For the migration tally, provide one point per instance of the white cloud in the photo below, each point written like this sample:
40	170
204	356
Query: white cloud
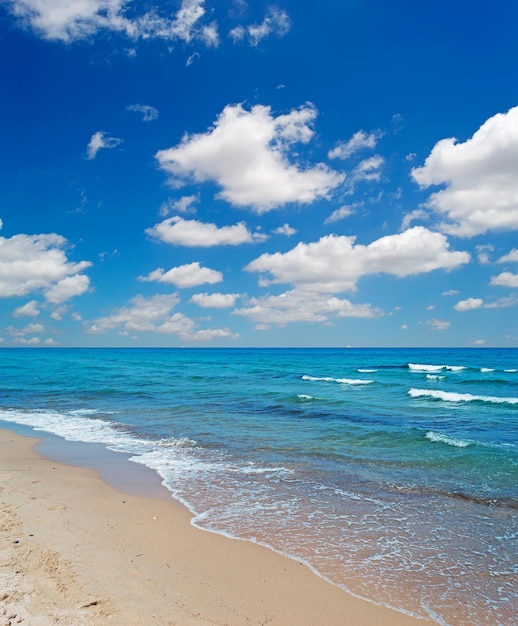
299	305
238	33
32	341
179	205
210	36
67	21
417	214
190	275
451	292
511	257
335	263
58	313
285	229
148	112
359	141
67	288
27	310
438	324
98	141
469	304
32	263
154	314
505	279
143	314
246	154
341	213
483	252
177	231
275	22
29	329
215	300
481	186
191	58
369	169
503	303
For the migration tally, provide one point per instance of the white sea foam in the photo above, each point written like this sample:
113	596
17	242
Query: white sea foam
343	381
366	371
435	377
485	370
513	371
439	438
304	396
421	367
450	396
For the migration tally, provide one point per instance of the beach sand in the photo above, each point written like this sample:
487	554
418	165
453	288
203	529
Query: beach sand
75	550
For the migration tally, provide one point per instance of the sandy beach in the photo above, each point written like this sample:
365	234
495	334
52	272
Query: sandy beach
75	550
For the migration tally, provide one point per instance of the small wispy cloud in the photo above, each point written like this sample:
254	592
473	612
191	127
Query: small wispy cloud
99	141
148	112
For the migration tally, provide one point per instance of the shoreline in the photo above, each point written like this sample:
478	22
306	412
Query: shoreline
77	550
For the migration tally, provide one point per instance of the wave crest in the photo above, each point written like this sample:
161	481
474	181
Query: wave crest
450	396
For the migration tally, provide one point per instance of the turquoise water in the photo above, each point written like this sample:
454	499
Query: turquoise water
392	473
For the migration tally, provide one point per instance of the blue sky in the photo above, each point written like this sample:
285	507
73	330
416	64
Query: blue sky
238	173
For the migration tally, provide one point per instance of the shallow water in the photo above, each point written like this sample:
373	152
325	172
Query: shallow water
393	473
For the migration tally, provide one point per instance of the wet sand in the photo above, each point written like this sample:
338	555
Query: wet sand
75	550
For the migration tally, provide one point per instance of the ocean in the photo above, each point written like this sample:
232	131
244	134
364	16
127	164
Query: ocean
392	473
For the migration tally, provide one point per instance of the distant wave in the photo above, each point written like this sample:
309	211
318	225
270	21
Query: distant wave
420	367
304	396
438	438
485	370
511	371
435	377
450	396
343	381
367	371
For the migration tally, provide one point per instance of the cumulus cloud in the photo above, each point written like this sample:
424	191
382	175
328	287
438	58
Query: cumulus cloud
300	305
505	279
469	304
29	329
36	263
67	21
359	141
368	169
179	205
98	141
177	231
215	300
276	22
155	314
246	153
335	263
183	276
67	288
148	112
481	186
27	310
340	214
510	257
285	229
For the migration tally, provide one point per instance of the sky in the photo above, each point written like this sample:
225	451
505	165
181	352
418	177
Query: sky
238	173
